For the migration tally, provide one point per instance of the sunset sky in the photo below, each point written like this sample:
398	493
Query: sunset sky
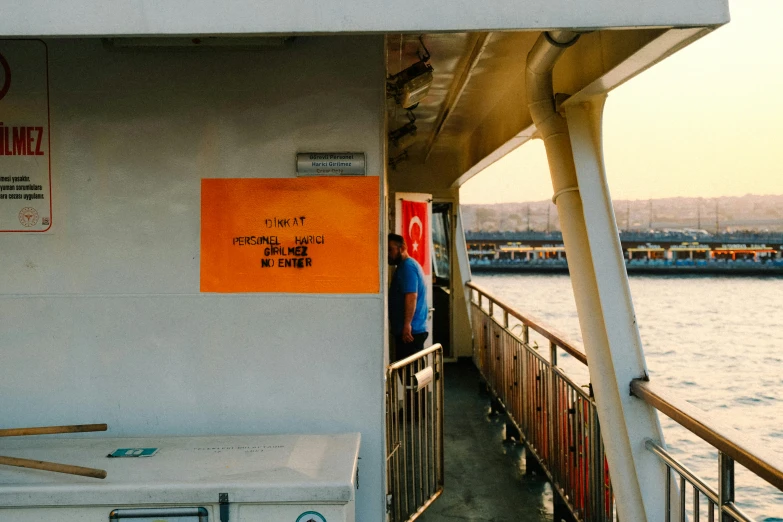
707	122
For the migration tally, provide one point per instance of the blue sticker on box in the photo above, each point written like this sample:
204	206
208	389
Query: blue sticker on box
133	452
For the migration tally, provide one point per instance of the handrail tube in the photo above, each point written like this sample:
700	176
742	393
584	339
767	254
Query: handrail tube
419	512
732	510
418	355
570	347
536	354
687	474
557	370
682	470
727	440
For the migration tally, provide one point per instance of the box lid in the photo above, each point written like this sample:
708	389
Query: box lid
267	469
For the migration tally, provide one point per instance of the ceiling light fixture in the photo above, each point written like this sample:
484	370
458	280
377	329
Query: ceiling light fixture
403	137
409	86
399	158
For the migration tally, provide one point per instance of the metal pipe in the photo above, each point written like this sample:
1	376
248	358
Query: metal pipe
746	450
404	362
681	470
540	100
624	423
528	321
682	499
725	502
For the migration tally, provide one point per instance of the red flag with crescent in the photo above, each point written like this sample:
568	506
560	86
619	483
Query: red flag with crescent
415	230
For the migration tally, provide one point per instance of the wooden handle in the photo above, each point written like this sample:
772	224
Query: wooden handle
49	430
53	466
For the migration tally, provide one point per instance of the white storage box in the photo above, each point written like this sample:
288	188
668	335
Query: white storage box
280	478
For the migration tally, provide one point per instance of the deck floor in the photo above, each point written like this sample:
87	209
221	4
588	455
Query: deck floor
485	477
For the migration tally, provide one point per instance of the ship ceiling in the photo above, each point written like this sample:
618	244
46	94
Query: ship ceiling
475	110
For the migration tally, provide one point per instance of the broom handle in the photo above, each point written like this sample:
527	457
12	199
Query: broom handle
53	466
49	430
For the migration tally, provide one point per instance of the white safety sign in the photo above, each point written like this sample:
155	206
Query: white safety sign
25	167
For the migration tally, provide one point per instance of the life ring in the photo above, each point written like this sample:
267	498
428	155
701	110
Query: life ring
6	75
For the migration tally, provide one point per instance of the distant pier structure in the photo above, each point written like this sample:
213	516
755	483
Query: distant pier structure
654	251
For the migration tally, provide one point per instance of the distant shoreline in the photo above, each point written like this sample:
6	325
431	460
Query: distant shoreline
720	270
716	215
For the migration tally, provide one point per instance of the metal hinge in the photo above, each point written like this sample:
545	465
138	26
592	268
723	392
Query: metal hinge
388	503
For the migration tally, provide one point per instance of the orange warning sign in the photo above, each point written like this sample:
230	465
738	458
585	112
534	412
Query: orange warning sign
297	235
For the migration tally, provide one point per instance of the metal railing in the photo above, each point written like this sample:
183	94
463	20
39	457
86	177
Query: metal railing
558	423
556	417
732	447
414	433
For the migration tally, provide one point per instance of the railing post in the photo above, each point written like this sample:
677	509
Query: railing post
668	494
561	511
726	485
508	347
526	413
439	421
551	416
523	380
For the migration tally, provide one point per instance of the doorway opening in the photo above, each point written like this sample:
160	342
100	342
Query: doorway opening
442	275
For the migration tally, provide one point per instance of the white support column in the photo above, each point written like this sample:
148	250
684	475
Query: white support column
608	322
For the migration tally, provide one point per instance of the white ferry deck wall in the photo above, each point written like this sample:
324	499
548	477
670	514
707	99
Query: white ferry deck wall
103	317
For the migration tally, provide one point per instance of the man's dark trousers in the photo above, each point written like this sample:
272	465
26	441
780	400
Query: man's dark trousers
403	349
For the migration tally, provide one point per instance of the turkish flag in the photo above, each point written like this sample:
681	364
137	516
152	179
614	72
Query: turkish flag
416	231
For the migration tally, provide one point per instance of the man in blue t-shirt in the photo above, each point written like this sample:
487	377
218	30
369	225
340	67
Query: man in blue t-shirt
407	300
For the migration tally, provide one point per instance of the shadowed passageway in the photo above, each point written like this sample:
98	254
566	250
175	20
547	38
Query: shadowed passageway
485	477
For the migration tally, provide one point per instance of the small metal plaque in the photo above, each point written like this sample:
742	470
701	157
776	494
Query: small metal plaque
331	164
133	452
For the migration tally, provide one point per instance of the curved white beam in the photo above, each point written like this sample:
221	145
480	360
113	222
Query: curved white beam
600	284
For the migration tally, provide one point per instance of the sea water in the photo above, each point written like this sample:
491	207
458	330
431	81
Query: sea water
716	342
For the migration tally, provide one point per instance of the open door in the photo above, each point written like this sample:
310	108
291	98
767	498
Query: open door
414	387
413	221
442	296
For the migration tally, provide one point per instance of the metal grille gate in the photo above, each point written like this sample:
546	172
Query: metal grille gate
414	433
